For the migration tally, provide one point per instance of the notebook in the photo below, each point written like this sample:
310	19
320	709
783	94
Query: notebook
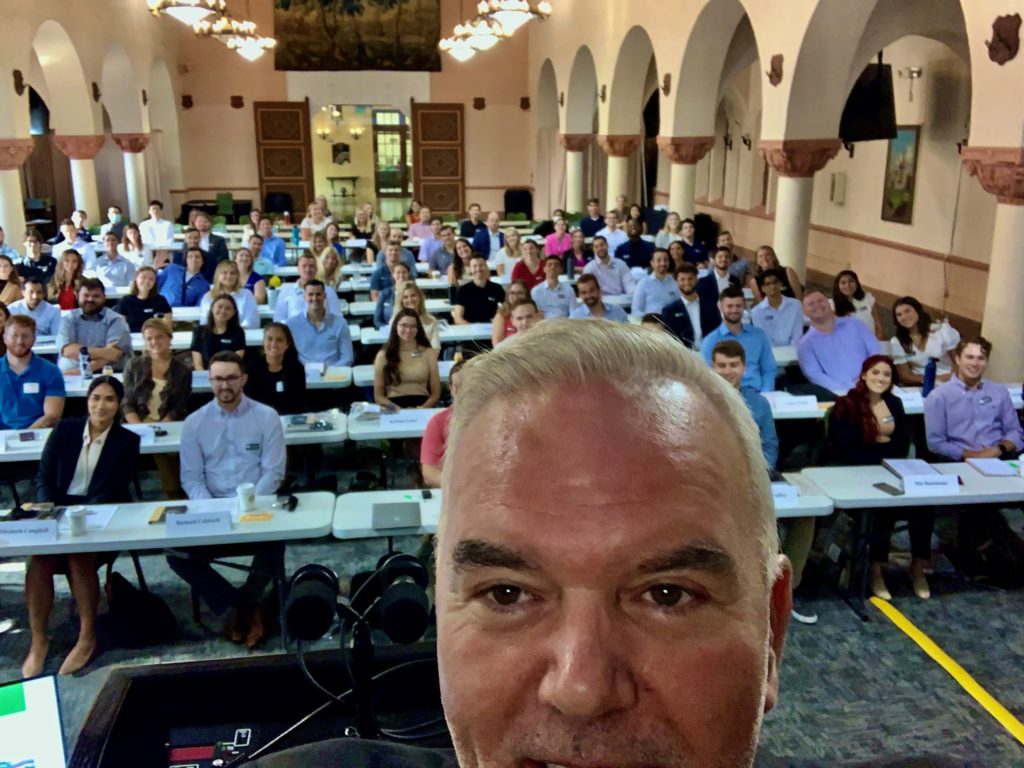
31	730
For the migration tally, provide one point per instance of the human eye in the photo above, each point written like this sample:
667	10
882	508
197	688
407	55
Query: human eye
504	598
670	598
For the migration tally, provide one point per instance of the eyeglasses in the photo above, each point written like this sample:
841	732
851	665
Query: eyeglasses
219	380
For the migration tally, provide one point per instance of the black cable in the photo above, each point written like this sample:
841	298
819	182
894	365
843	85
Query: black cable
305	670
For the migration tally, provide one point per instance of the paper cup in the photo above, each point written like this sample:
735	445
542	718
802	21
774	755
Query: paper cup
246	494
77	517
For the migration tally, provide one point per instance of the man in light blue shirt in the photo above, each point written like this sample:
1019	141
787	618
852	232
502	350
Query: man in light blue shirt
103	331
760	360
320	337
113	269
229	441
729	360
291	297
612	274
443	256
781	317
273	246
834	349
592	304
34	305
656	289
553	298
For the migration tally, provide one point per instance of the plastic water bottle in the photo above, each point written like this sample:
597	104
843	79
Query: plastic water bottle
295	234
287	219
929	376
83	363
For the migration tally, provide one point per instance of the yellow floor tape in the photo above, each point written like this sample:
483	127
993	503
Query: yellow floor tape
958	673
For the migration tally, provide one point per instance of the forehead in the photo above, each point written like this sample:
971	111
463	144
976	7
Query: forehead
224	369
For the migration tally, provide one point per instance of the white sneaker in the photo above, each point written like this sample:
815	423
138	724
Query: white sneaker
804	618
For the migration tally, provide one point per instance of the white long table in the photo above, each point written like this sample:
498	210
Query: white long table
451	334
337	377
47	345
362	375
413	425
366	308
353	512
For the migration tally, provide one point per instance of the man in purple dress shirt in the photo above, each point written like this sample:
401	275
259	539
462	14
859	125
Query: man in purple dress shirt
833	350
969	417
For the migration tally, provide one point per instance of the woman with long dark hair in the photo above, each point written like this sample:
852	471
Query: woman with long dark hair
222	333
919	339
850	298
405	370
868	425
277	378
10	281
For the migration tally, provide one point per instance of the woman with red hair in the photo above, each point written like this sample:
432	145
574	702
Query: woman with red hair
868	425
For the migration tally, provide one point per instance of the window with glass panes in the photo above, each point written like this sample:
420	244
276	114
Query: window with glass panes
392	147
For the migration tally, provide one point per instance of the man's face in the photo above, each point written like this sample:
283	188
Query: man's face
729	368
603	621
255	245
620	202
266	229
633	228
725	240
448	236
771	286
592	209
479	271
307	269
393	255
687	283
611	220
474	212
732	309
435	228
972	362
316	298
578	241
155	211
600	248
552	269
817	308
203	223
110	244
79	218
19	340
91	300
524	317
687	230
227	381
34	295
400	274
424	215
33	245
70	232
659	263
194	262
192	239
590	293
722	260
493	221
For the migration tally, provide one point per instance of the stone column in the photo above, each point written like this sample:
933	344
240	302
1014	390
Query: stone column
13	153
684	152
1001	173
81	151
575	145
796	161
618	149
133	145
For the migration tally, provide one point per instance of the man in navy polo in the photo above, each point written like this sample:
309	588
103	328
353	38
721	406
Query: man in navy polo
31	389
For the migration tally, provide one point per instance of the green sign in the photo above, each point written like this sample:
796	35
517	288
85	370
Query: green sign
12	699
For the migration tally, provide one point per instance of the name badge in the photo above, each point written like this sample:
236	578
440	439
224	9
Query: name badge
279	387
252	446
148	310
332	338
985	400
768	317
31	388
225	341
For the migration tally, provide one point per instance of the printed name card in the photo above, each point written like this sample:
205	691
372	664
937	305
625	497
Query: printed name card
409	417
199	523
21	532
784	493
931	485
790	403
314	371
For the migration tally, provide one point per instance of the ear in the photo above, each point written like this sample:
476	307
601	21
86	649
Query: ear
779	609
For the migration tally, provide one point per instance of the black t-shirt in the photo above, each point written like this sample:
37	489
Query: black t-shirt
208	343
42	270
467	228
479	304
136	311
284	391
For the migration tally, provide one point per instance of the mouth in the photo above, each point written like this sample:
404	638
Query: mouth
530	763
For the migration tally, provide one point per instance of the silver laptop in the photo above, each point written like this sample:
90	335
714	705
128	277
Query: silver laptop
399	514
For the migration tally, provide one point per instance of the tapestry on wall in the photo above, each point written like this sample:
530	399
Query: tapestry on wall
900	175
357	34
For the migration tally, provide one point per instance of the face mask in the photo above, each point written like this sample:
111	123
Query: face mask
114	218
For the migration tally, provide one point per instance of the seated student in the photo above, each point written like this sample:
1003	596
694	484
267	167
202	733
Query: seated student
435	437
866	426
84	461
71	238
229	441
35	263
329	272
382	275
578	255
692	316
214	246
559	241
458	270
919	340
442	257
143	302
851	300
478	300
102	331
760	365
969	417
273	248
530	268
333	235
157	387
112	269
115	223
248	277
525	315
593	222
833	350
635	251
490	240
612	274
710	286
156	230
222	333
474	223
67	279
431	242
6	249
510	254
421	227
291	297
613	234
657	289
553	298
405	372
384	307
182	286
694	251
670	232
35	305
729	360
411	296
131	246
395	237
765	259
738	266
321	337
227	282
501	325
10	281
779	316
592	305
31	388
260	264
277	378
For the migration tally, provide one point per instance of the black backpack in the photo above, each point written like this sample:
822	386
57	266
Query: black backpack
138	619
988	550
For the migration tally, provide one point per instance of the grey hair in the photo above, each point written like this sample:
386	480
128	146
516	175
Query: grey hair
634	361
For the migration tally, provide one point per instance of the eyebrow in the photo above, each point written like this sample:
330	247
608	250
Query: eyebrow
477	553
704	555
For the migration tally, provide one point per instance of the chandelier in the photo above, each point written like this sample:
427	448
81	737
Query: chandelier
189	12
238	35
512	14
457	47
250	46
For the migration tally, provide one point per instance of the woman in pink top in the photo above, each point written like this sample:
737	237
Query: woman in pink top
559	241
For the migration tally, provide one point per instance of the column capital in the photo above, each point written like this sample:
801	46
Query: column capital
618	145
14	153
575	142
1000	170
685	150
798	158
79	147
132	143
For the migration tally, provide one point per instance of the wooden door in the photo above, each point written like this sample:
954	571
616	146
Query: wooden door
439	169
284	152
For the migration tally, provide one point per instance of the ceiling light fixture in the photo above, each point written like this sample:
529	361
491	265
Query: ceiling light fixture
512	14
187	11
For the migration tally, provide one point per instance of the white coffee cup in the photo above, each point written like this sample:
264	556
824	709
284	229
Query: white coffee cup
77	519
246	494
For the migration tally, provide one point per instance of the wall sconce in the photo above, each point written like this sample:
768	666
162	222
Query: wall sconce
324	133
603	93
727	140
356	131
666	84
747	141
912	74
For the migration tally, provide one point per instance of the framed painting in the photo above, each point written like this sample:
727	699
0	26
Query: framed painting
901	175
347	35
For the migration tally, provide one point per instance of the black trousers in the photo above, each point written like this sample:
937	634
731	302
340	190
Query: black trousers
921	521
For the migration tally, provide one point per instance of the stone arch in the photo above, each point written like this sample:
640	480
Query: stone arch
625	98
71	109
121	97
581	94
165	143
549	157
546	106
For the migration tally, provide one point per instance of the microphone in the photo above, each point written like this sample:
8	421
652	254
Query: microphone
312	603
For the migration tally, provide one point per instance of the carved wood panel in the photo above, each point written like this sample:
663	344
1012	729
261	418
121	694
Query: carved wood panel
439	157
284	152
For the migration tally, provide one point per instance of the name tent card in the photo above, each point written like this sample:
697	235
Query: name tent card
785	493
21	532
931	485
199	523
789	403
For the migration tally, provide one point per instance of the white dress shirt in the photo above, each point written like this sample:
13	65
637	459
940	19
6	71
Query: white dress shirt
156	232
87	460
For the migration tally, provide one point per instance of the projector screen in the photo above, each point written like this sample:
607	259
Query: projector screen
30	728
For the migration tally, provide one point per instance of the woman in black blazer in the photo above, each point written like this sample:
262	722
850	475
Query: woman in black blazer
868	425
72	472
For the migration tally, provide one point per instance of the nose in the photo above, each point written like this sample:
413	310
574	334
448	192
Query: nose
588	672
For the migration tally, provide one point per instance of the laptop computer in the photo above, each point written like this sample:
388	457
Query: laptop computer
31	730
400	514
